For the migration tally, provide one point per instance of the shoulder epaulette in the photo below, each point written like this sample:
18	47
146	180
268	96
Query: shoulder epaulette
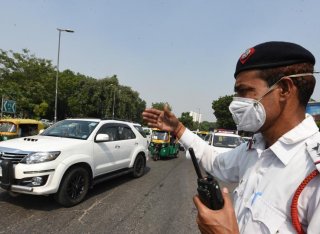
313	148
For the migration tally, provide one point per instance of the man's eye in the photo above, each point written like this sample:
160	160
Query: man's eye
240	92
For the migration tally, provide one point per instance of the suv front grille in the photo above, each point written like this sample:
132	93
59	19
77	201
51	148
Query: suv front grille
15	158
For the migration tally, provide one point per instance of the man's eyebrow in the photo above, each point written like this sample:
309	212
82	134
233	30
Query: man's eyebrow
237	88
242	87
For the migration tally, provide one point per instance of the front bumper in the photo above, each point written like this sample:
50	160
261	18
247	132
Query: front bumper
24	180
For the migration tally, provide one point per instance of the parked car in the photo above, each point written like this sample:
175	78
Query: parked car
13	128
148	132
71	156
223	140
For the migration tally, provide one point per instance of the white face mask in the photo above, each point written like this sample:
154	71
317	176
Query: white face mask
249	114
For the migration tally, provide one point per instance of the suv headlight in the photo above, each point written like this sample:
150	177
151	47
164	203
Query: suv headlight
39	157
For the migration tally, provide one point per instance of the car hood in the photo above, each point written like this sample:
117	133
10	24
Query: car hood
41	143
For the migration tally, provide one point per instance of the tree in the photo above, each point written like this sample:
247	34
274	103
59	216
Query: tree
40	110
207	126
187	120
30	81
160	105
26	79
222	113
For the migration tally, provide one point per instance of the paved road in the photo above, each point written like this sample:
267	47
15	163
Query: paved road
158	202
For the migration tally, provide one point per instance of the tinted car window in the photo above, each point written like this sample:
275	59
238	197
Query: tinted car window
140	130
126	133
111	130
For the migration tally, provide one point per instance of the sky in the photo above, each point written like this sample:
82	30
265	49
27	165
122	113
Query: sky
182	52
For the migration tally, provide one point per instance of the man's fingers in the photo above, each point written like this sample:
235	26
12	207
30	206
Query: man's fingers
152	111
200	206
167	112
150	115
226	197
197	201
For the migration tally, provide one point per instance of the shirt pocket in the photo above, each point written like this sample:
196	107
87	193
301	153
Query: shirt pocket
264	215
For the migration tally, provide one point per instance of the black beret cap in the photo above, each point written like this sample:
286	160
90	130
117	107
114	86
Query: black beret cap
273	54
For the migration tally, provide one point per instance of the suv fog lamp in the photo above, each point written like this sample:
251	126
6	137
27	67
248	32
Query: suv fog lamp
33	181
37	181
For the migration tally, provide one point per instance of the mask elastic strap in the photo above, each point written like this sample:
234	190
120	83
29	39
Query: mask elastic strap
301	74
269	90
290	76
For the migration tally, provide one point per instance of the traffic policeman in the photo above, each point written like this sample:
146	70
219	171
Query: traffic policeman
277	171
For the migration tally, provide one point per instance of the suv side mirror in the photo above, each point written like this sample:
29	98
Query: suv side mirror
102	137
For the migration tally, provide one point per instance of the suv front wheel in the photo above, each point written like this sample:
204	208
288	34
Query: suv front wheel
139	166
74	187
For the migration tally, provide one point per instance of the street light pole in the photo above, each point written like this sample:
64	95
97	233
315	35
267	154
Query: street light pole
199	120
57	75
114	99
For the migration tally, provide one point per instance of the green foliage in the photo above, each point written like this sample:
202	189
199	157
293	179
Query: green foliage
40	110
30	81
222	113
25	79
206	126
160	105
187	120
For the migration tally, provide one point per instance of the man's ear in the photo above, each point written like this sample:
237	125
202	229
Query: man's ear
287	87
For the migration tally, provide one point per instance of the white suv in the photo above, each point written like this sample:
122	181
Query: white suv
223	140
71	156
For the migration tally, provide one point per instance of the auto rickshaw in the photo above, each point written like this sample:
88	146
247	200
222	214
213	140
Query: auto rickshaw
13	128
202	134
163	145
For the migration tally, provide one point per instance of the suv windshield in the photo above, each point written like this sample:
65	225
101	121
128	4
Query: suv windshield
226	141
78	129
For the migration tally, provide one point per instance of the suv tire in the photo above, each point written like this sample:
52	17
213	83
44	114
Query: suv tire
74	187
139	166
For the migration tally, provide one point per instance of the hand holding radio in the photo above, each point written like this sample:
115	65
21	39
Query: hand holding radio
208	188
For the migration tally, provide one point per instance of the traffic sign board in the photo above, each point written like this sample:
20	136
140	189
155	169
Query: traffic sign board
9	106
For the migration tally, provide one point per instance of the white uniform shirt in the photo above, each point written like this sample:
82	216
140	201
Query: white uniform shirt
268	179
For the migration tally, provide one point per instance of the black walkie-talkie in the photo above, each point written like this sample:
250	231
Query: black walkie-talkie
208	188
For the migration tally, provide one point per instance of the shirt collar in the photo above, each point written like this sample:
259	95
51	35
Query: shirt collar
288	145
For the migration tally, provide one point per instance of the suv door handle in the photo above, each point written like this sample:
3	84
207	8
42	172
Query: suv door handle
117	147
136	143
